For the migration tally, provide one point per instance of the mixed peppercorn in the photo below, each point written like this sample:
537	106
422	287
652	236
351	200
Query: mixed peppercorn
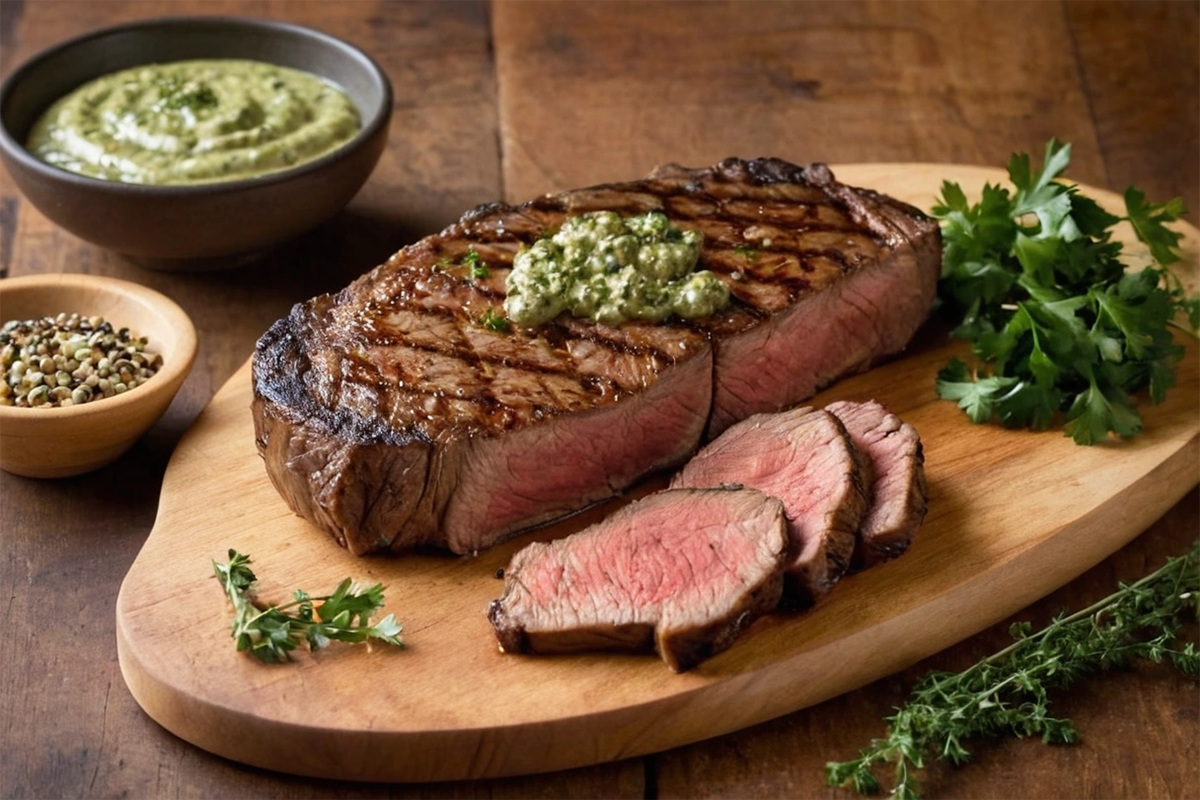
70	359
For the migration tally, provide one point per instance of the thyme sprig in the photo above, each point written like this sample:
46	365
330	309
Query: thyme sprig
271	633
1007	692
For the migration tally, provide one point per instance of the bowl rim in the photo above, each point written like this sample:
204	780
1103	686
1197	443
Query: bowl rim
173	370
370	127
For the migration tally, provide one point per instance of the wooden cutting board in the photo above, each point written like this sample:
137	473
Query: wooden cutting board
1012	516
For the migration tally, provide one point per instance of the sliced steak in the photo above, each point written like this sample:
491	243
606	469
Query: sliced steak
897	486
394	414
805	458
681	572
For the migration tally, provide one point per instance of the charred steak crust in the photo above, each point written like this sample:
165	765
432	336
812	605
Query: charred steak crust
390	416
682	572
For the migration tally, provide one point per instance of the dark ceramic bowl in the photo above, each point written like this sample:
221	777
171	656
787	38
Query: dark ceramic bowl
203	225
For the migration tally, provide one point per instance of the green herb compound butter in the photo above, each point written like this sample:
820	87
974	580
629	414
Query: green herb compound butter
194	122
611	269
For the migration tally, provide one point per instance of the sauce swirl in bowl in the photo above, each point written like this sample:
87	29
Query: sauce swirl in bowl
194	121
203	224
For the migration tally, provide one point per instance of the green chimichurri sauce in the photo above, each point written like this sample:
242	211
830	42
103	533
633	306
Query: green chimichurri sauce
610	269
194	122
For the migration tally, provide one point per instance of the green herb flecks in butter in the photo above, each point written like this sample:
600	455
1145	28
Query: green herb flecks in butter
194	122
610	269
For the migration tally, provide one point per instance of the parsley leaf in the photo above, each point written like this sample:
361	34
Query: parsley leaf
975	395
1040	196
272	633
1098	410
1059	327
1149	221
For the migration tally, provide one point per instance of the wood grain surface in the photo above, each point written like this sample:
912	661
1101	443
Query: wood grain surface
916	81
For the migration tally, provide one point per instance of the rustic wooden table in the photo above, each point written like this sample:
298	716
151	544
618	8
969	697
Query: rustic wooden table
513	99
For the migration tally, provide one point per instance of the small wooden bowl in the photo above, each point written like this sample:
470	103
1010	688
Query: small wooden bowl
57	442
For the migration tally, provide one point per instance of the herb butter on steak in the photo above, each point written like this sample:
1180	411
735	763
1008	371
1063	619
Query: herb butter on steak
405	411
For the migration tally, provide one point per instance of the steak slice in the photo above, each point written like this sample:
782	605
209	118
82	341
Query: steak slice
681	572
399	412
805	458
897	485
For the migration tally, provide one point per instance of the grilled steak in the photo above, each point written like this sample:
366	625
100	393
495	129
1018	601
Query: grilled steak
393	413
681	572
897	485
427	429
803	457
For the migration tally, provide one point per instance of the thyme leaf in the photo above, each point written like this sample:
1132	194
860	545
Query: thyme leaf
1007	692
271	633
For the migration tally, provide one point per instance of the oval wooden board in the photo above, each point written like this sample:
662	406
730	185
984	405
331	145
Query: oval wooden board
1013	515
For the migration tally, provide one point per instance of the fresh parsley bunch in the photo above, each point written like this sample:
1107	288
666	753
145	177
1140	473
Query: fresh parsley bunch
271	633
1056	320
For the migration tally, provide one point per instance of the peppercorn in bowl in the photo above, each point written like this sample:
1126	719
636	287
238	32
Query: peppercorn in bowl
89	364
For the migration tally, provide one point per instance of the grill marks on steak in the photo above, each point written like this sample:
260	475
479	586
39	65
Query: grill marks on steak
897	480
854	289
421	463
379	412
805	458
388	414
681	572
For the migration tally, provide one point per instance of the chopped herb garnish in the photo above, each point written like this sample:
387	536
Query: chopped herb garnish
746	251
494	322
271	633
174	92
475	268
